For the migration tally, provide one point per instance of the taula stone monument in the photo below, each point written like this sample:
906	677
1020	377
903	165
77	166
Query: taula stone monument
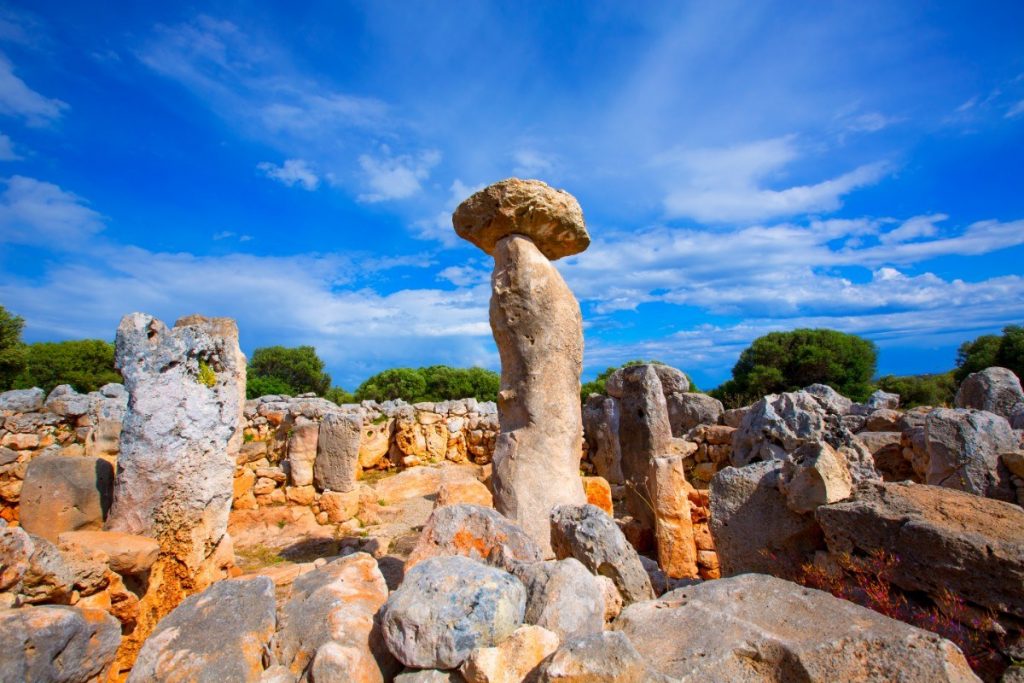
181	435
536	321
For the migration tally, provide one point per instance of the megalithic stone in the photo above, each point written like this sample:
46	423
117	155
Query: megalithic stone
537	326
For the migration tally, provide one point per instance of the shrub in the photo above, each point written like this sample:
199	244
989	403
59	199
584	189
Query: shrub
921	390
1005	350
13	353
85	364
297	370
433	383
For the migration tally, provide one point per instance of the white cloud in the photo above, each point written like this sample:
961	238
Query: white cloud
1015	110
17	99
439	228
7	152
292	172
531	164
40	213
918	226
395	177
465	276
727	184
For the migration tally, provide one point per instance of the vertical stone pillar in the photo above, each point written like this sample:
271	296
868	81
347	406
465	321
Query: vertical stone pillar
673	530
537	326
181	435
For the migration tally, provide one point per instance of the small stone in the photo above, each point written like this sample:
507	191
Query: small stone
513	659
300	495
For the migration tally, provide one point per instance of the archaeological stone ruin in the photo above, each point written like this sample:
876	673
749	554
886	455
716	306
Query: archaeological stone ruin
168	529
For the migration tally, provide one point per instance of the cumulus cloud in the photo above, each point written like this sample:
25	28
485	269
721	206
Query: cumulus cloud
19	100
395	177
292	172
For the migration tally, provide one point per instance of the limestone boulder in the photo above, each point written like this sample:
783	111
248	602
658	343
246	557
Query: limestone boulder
217	635
551	218
672	380
601	429
687	410
16	549
882	399
52	643
513	659
303	438
995	389
760	628
447	607
563	597
606	657
586	533
963	449
22	400
65	494
883	420
816	475
754	529
464	491
599	493
429	676
49	576
943	539
537	326
829	399
476	532
330	619
127	554
337	457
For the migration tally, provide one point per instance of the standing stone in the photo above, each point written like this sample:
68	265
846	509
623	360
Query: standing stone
644	433
303	440
996	390
673	531
601	429
537	326
65	494
181	436
337	455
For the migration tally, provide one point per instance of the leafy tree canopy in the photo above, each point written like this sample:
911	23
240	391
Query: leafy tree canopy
85	364
433	383
13	353
787	361
286	370
921	390
1005	350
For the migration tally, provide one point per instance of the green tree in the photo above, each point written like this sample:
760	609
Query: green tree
13	354
787	361
1005	350
339	396
405	383
433	383
85	364
296	370
921	390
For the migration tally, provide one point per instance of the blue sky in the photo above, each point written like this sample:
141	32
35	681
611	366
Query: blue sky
743	168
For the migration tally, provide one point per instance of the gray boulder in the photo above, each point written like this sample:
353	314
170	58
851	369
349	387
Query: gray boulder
65	494
830	400
882	399
588	534
448	606
57	644
337	456
687	410
644	433
477	532
601	430
22	400
996	390
761	628
217	635
963	449
672	381
563	597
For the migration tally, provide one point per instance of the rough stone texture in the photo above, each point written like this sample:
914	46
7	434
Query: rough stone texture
606	657
816	475
179	443
943	539
330	616
760	628
673	381
882	399
963	452
125	553
883	420
22	400
337	458
512	660
538	329
16	548
43	644
49	577
601	429
995	389
828	398
429	676
476	532
687	410
563	597
644	433
586	533
302	448
468	491
217	635
551	218
65	494
448	606
599	493
753	528
673	532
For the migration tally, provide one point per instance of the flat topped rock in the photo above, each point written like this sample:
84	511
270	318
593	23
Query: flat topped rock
551	218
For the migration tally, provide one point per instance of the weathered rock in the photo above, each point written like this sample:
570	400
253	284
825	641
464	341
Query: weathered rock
760	628
753	528
126	553
65	494
551	218
672	381
644	433
963	452
601	429
734	417
606	657
586	533
469	491
49	577
513	659
217	635
882	399
817	475
538	329
476	532
563	597
337	459
429	676
375	441
599	493
330	617
340	507
448	606
883	420
829	399
687	410
943	540
673	533
303	440
22	400
57	644
995	389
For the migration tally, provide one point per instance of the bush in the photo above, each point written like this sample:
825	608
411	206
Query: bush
788	361
921	390
85	364
433	383
1005	350
282	370
13	354
339	396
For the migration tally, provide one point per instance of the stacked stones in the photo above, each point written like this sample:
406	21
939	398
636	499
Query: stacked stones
537	325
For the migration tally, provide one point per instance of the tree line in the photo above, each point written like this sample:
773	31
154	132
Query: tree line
775	362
